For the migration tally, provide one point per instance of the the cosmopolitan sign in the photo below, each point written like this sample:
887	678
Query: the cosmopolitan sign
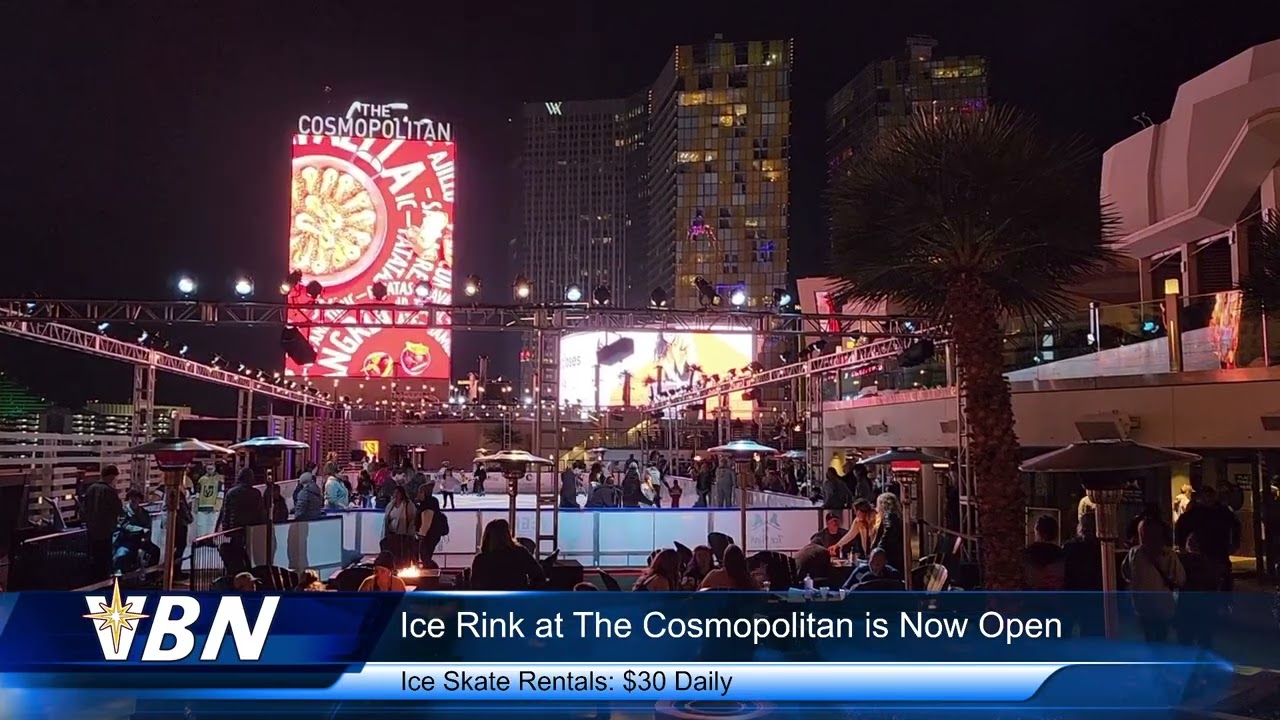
366	120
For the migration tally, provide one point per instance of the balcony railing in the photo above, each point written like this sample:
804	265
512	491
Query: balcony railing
1103	341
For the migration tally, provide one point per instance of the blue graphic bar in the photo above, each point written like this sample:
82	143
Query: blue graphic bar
778	682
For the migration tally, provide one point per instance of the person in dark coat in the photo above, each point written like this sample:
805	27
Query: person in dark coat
860	486
632	496
242	506
569	485
502	564
100	509
705	480
605	494
1082	572
308	500
1216	527
831	532
835	492
274	504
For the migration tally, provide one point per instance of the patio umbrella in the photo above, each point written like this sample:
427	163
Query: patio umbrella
894	455
1106	456
795	455
162	445
269	442
742	447
513	456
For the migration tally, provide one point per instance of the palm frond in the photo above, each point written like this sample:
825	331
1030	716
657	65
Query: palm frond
1261	285
987	200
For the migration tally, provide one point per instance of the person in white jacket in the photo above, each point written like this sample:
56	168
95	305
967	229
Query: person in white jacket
1154	574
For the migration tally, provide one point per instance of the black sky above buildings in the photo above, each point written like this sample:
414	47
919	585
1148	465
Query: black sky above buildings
144	139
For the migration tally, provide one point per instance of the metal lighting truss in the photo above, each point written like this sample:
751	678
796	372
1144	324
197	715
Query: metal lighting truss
562	318
860	355
57	334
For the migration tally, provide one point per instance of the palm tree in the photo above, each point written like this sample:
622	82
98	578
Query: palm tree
970	219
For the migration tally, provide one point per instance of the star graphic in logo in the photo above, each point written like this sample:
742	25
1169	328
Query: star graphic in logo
116	617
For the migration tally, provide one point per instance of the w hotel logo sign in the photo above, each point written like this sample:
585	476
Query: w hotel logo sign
553	108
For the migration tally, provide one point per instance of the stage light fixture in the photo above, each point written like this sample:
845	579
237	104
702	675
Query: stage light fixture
243	287
738	297
187	285
787	356
144	337
783	300
707	295
471	287
291	281
297	347
422	290
756	366
918	353
217	361
521	288
103	327
601	295
315	289
573	293
182	351
658	298
378	291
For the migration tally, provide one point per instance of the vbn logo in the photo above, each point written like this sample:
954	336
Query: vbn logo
117	622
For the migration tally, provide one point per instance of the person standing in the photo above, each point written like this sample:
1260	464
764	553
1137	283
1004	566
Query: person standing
703	484
478	487
433	525
242	506
835	493
450	485
1198	603
724	484
1215	526
207	488
1043	560
398	527
308	499
1154	574
569	486
1082	572
100	509
336	496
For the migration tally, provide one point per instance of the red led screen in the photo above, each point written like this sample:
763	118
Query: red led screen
367	211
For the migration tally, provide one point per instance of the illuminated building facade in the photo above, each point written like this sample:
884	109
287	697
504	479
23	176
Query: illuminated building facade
887	93
719	171
573	175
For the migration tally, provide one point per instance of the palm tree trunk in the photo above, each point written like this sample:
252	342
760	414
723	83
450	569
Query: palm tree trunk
993	446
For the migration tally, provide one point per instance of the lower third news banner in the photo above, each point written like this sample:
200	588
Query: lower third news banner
904	651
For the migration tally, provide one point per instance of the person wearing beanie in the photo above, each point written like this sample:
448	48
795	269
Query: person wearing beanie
384	577
242	505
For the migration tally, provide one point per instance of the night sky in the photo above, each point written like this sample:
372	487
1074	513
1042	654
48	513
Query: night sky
152	138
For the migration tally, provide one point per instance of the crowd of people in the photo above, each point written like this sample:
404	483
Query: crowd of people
1175	572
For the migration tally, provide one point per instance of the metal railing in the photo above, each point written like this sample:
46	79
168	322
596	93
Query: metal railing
58	561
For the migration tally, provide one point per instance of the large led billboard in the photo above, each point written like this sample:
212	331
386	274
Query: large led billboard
365	213
658	360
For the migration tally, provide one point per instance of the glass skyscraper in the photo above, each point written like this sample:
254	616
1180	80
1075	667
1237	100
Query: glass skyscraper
719	171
